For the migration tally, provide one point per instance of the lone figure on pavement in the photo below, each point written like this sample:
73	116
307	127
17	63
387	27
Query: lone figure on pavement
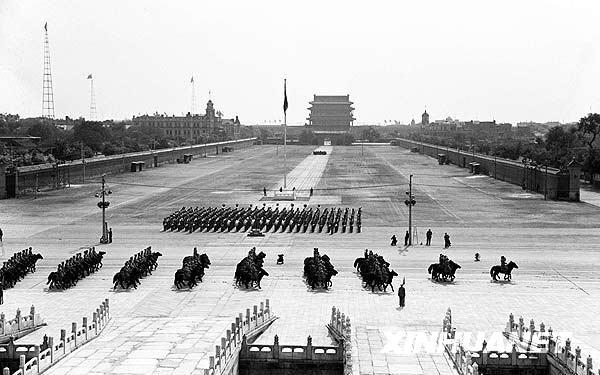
406	238
428	235
1	234
447	243
394	240
401	293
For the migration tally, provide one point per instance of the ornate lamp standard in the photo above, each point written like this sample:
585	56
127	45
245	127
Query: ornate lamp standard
103	204
410	201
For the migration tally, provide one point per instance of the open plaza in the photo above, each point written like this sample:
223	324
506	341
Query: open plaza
157	329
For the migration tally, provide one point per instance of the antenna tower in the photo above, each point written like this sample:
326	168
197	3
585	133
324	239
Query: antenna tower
193	110
93	112
47	93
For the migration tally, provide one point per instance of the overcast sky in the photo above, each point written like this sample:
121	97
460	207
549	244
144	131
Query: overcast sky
505	60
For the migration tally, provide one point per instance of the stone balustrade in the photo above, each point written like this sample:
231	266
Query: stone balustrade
549	352
20	323
34	359
341	330
293	352
244	326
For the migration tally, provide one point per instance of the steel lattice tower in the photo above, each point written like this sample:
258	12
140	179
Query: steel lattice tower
47	93
93	112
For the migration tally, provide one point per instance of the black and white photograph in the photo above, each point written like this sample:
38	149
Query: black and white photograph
299	188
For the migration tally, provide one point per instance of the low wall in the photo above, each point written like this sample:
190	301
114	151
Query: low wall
33	359
555	184
534	352
30	179
225	360
279	359
14	327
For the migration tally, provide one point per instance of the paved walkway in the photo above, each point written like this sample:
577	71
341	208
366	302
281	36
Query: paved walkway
159	330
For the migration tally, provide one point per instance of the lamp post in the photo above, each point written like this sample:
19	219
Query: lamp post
410	201
103	204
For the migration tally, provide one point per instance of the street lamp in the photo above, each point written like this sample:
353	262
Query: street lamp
103	204
410	201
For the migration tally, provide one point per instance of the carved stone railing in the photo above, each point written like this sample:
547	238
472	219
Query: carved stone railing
242	329
533	347
34	359
308	352
341	330
20	325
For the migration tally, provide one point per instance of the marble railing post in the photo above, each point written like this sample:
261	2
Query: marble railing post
18	319
248	318
3	323
275	347
218	357
475	368
32	315
74	331
63	338
85	327
521	328
37	356
51	344
22	363
309	348
513	355
95	320
268	307
262	312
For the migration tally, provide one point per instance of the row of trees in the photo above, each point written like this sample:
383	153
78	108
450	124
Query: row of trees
87	137
556	149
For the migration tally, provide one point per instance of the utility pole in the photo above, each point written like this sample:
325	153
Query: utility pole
83	161
410	201
546	183
103	204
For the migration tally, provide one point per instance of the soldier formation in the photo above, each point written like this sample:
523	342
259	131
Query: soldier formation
140	265
17	266
213	219
77	267
375	271
192	270
318	270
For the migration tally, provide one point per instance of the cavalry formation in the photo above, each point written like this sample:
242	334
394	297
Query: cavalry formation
140	265
249	271
77	267
318	270
15	268
290	220
375	271
192	270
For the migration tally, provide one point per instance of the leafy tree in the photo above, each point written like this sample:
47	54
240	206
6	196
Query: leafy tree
589	128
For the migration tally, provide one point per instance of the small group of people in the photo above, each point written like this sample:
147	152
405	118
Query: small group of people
428	236
310	192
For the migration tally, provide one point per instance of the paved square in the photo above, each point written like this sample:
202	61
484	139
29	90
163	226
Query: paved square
156	329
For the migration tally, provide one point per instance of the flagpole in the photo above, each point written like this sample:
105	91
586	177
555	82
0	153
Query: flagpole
284	142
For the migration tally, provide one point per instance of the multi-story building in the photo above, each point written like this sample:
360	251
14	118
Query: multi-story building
193	127
330	116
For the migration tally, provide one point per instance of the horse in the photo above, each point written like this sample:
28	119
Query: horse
495	270
127	278
54	280
443	272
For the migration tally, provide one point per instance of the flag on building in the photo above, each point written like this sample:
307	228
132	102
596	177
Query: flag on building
192	80
89	76
285	102
46	26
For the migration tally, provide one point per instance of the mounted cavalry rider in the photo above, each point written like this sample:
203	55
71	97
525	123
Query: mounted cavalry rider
503	264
